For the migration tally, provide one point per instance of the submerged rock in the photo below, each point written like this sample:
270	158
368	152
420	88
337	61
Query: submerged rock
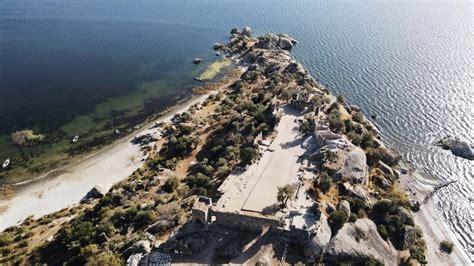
197	60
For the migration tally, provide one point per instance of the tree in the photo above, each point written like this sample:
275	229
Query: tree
446	246
336	220
285	193
324	182
171	184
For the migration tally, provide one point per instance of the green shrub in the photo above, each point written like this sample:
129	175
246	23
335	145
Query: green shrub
380	154
355	138
144	218
367	141
324	182
382	231
5	239
446	246
352	218
418	253
358	117
336	220
171	184
104	259
248	154
199	180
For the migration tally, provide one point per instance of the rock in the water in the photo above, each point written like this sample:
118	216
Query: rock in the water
96	192
235	31
462	149
446	142
247	31
358	242
345	207
217	46
458	147
142	246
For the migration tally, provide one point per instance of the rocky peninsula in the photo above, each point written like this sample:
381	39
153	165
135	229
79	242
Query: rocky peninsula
270	168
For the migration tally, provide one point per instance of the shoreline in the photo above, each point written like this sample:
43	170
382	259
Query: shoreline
69	183
418	185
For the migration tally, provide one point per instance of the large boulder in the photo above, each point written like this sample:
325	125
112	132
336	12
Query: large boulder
345	207
387	170
294	67
142	246
319	242
285	43
96	192
458	147
217	46
247	31
411	236
269	42
355	167
234	31
462	149
358	242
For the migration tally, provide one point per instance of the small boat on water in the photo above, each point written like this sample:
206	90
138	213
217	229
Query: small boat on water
6	163
198	79
197	60
75	139
117	131
217	53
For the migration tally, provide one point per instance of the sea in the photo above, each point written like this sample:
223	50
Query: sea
88	67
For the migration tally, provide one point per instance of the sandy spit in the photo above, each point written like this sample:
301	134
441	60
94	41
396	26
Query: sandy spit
66	186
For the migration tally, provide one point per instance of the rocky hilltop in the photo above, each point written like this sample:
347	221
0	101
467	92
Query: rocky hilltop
333	189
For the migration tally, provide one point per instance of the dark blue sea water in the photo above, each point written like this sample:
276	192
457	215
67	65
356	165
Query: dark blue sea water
409	62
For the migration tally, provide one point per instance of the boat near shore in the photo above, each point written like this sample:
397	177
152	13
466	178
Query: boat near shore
75	139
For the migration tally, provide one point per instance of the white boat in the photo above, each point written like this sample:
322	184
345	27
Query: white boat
198	79
117	131
6	163
75	139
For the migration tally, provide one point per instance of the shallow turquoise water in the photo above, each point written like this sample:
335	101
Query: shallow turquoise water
409	62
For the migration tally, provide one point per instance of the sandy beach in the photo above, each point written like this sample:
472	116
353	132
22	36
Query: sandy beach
430	221
65	186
